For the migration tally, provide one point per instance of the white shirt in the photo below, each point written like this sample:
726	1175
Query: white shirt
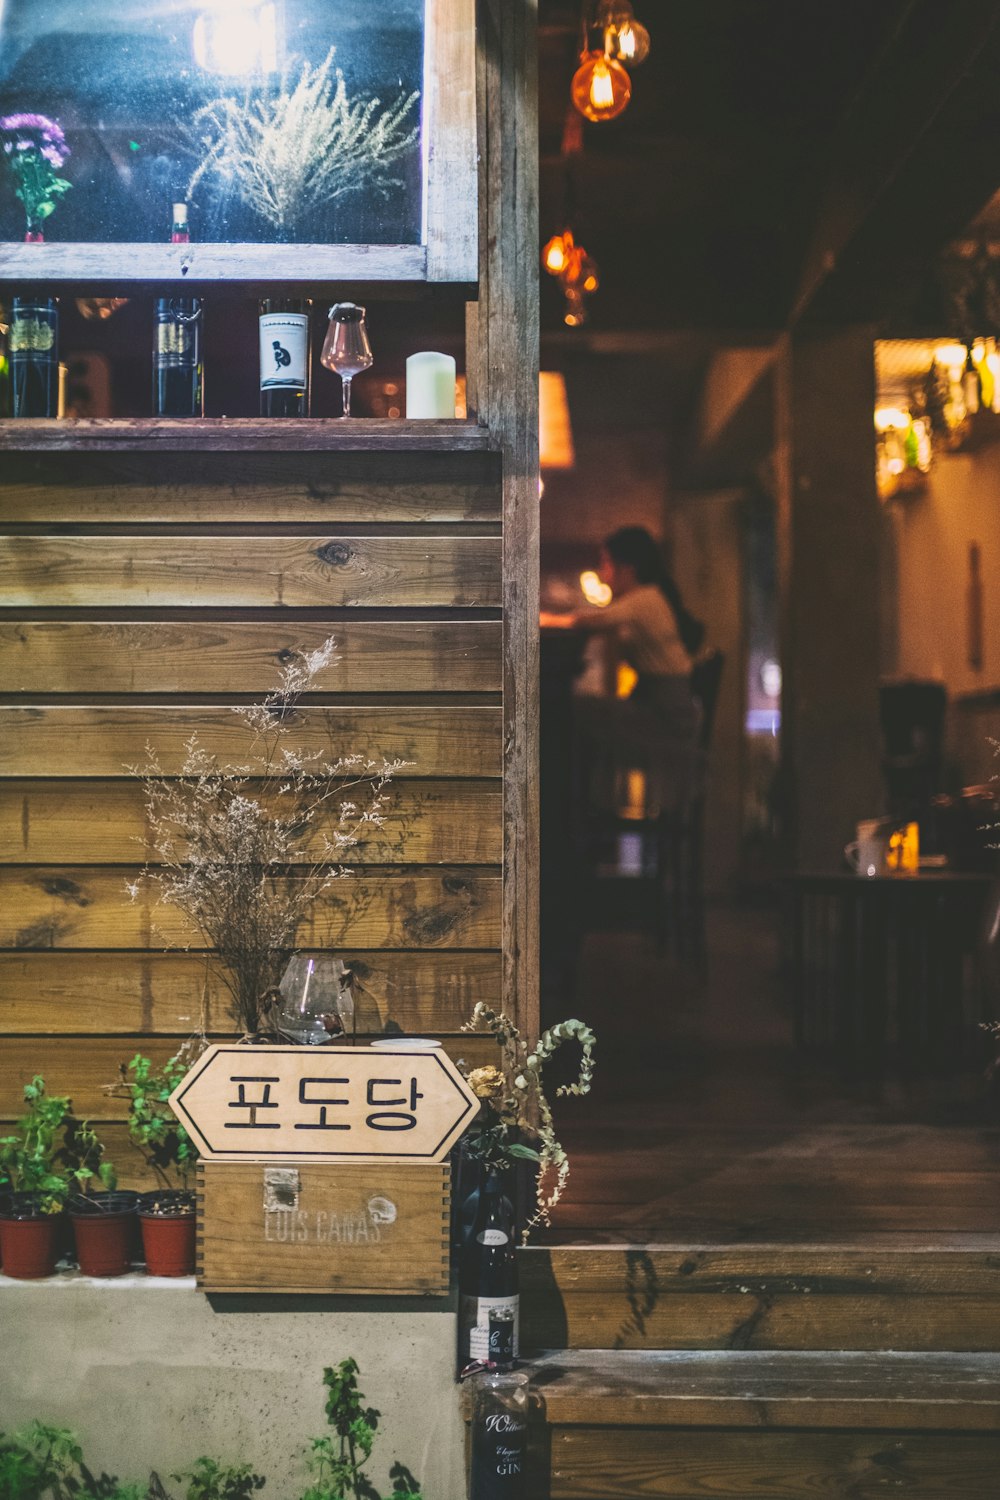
647	630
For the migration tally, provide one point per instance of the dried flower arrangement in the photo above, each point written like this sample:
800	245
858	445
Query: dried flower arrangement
36	149
303	147
245	852
514	1102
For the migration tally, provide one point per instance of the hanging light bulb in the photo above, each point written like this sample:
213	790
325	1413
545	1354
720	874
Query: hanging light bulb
576	311
556	253
623	37
628	44
601	88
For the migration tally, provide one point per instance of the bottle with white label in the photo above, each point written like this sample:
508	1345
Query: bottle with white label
285	364
488	1274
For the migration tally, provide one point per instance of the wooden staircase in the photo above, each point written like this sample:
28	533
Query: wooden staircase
766	1372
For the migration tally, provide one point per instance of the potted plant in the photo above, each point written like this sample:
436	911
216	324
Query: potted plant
104	1221
166	1215
37	1186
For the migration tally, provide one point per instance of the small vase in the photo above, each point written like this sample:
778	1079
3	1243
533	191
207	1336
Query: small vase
33	235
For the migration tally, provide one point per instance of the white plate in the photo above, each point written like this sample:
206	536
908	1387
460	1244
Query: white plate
404	1044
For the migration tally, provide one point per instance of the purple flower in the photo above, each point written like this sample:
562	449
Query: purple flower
53	157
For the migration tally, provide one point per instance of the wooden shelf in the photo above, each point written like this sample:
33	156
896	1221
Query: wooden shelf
242	435
213	263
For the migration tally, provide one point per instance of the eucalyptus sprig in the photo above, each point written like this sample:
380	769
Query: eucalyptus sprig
514	1101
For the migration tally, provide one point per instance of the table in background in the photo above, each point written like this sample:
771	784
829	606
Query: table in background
895	956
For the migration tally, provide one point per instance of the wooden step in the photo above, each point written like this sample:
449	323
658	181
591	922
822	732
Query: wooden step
636	1425
885	1292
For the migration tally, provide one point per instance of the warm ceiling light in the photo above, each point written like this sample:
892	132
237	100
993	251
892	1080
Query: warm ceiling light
556	253
601	87
555	434
594	591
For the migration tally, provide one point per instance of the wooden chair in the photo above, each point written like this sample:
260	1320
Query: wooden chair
681	834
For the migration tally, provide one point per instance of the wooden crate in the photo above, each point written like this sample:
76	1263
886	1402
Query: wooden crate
289	1227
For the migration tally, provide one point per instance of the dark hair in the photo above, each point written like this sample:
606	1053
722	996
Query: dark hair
633	547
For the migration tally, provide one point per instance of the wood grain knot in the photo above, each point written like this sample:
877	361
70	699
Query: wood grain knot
334	554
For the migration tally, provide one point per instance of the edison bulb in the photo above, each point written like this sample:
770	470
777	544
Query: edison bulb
601	88
627	43
555	254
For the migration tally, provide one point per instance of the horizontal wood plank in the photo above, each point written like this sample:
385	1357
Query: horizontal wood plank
219	573
788	1389
209	261
171	994
105	822
599	1464
82	1067
103	742
80	907
241	435
761	1297
93	656
82	488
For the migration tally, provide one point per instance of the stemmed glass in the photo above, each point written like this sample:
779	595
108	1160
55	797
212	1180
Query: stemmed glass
346	348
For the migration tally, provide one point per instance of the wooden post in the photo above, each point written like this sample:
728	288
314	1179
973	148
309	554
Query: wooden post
503	347
829	528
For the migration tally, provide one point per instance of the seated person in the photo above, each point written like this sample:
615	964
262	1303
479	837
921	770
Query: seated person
655	730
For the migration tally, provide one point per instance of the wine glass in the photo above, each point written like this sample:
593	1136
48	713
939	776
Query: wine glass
346	348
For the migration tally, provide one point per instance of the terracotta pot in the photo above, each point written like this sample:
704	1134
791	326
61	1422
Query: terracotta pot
168	1238
104	1230
28	1241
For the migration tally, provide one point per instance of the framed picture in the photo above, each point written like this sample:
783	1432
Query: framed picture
301	141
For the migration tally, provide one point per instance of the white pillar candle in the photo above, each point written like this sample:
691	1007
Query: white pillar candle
430	385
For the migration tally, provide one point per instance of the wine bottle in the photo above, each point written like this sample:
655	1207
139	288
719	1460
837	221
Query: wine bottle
33	342
178	371
180	234
178	368
488	1274
285	384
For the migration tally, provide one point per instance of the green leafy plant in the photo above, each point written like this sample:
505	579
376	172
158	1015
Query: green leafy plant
336	1462
29	1158
38	1461
83	1156
153	1128
208	1480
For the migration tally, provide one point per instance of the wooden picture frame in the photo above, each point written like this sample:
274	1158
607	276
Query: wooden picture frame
447	254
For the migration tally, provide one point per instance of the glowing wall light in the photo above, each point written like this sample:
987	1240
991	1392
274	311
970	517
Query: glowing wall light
555	433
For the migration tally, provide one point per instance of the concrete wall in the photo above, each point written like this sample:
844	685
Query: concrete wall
152	1375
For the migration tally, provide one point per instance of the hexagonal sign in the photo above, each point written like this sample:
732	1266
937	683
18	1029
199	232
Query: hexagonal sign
335	1104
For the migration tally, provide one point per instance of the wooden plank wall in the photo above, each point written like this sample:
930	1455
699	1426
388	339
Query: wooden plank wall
142	595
